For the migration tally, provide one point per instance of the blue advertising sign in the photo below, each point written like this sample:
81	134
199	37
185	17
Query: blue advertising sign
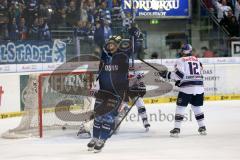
158	8
25	52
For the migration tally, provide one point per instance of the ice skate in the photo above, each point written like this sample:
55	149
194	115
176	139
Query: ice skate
202	130
91	144
84	134
146	125
175	132
99	145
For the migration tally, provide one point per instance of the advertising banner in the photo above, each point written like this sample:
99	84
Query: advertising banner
158	8
9	93
26	52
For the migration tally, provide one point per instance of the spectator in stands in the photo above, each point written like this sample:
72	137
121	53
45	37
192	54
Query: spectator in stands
207	53
23	31
237	9
31	11
90	10
104	13
98	35
31	19
33	31
59	17
222	8
107	30
46	9
43	30
72	14
102	33
231	24
87	10
14	12
117	14
13	30
230	4
4	19
81	30
60	4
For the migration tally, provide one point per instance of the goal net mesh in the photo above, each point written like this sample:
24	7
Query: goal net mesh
52	103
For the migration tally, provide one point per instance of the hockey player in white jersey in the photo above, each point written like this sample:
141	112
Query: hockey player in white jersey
188	77
136	91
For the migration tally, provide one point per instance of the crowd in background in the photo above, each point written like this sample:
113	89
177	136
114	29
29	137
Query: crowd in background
227	13
34	19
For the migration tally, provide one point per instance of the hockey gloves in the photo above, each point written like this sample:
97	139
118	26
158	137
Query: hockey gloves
163	73
137	90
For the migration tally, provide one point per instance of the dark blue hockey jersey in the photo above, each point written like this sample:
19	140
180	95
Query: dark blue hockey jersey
113	72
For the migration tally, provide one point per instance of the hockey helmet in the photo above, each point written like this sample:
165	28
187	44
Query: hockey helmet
115	39
186	49
113	43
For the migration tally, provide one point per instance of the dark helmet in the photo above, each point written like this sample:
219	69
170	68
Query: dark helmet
113	43
186	50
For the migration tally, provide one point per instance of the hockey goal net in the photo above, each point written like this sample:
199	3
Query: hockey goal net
52	102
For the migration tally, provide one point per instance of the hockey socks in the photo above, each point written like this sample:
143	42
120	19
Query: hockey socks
199	115
142	113
106	130
179	116
97	125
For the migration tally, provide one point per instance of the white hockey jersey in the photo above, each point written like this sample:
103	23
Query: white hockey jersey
188	75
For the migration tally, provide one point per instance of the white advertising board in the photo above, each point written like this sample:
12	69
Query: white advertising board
9	93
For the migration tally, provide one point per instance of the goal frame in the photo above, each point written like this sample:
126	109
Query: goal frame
40	97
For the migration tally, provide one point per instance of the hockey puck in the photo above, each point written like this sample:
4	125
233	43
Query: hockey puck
64	128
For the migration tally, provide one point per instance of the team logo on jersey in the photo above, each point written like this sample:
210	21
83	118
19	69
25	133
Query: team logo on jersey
111	67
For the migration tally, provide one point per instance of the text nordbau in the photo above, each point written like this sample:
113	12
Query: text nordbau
152	4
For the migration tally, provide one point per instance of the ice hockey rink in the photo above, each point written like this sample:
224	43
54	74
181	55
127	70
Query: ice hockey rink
133	143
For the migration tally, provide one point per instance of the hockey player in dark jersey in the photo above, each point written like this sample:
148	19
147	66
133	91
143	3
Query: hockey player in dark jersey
113	78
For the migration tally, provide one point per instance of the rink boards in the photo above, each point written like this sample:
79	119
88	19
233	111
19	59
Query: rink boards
221	82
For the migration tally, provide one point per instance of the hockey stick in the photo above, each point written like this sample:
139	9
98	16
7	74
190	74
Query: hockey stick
132	36
155	68
115	129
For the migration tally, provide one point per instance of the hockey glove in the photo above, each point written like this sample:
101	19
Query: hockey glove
163	73
177	83
137	90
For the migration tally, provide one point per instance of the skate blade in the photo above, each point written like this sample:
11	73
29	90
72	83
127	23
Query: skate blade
174	135
97	151
147	129
203	133
84	135
90	149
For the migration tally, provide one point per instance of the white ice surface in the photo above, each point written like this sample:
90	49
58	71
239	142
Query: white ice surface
132	143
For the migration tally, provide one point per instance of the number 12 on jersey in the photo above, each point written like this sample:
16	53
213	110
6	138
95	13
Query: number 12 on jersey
194	68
